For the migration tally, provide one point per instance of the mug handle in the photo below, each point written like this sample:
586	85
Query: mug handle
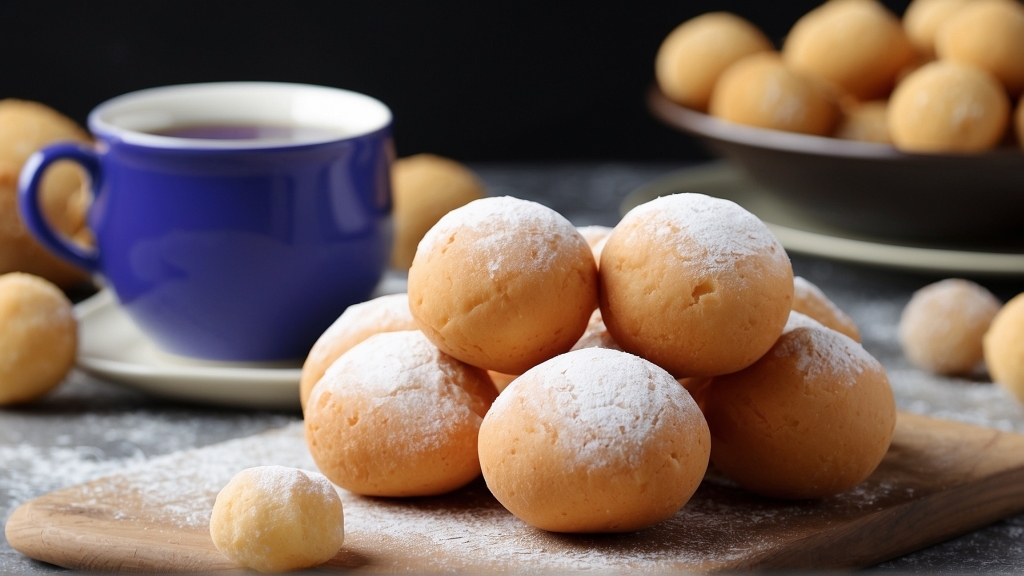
31	209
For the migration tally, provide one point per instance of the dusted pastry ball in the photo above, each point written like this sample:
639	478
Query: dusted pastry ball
1004	347
503	284
695	284
988	34
761	91
595	440
948	107
857	45
942	326
810	419
425	188
922	20
394	416
275	519
38	337
696	53
25	127
810	300
358	322
867	122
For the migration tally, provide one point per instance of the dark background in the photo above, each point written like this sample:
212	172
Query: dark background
474	80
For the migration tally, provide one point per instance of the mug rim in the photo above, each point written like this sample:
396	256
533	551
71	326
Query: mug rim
103	119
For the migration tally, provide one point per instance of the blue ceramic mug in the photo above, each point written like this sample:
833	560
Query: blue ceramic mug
234	221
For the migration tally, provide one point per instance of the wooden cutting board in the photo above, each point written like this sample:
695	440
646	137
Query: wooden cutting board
940	479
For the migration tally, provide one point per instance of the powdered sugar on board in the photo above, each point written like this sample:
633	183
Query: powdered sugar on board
721	527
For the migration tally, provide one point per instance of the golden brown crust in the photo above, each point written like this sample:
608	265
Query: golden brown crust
701	294
1004	347
810	419
595	440
922	20
988	34
503	284
857	45
927	110
396	417
425	187
694	55
39	339
358	322
760	90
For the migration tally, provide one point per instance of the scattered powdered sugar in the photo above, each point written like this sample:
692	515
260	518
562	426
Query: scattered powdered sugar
819	350
604	404
710	232
403	376
506	231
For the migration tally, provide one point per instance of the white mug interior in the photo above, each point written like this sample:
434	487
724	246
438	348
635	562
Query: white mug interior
336	114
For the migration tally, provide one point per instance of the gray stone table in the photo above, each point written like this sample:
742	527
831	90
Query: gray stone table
89	428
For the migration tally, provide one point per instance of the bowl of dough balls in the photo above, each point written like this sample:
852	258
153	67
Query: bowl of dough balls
896	128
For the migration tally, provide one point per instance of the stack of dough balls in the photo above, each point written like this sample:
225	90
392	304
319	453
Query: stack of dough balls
944	80
425	187
25	127
942	326
276	519
38	337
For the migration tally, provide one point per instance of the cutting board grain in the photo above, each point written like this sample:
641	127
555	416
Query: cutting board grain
939	479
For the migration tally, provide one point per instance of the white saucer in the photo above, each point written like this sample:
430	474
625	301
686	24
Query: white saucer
803	235
112	348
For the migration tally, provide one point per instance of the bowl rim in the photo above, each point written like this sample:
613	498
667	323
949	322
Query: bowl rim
700	124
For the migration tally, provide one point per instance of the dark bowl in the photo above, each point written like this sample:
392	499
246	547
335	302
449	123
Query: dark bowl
871	188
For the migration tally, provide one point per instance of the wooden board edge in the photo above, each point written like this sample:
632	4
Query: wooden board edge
900	530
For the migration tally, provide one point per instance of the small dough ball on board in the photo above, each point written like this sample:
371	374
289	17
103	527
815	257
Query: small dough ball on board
866	122
810	419
1004	347
988	34
276	519
357	323
503	284
595	440
425	187
857	45
761	91
695	284
810	300
394	416
948	107
695	54
942	327
38	337
922	20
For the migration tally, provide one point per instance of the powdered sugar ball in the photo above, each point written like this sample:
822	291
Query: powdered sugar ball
810	300
360	321
595	440
942	326
38	337
695	284
810	419
395	416
503	284
275	519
